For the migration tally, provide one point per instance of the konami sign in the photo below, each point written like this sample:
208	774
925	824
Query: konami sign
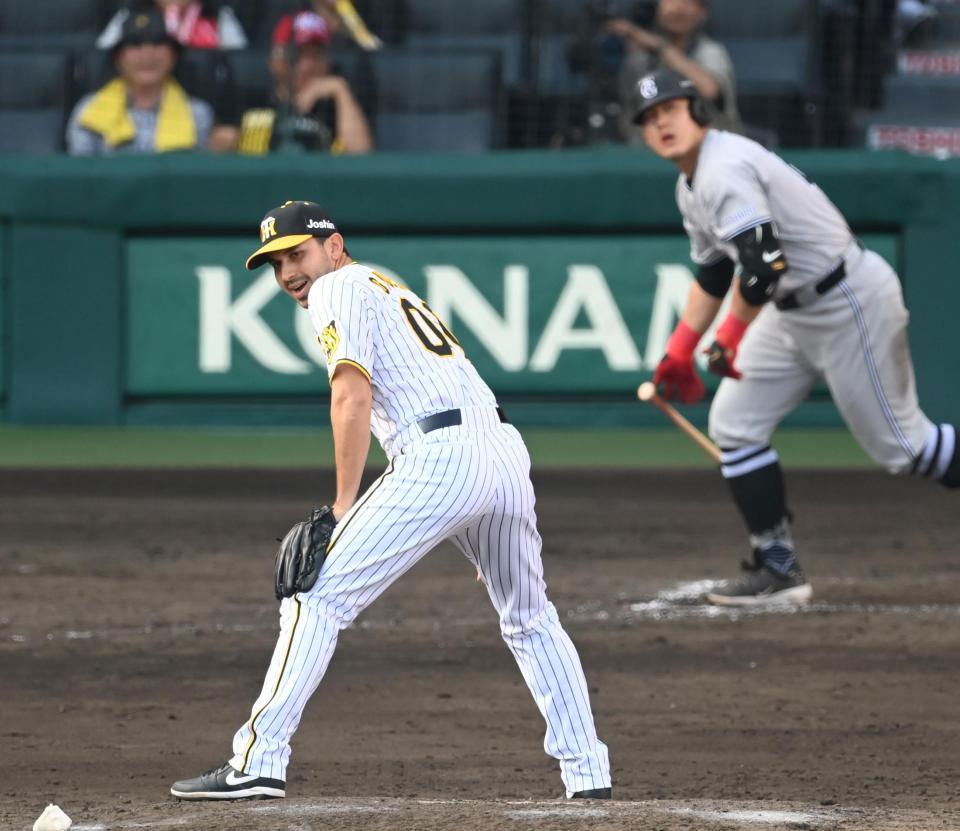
556	315
585	316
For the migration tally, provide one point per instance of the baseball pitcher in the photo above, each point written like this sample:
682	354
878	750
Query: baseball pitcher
457	471
808	303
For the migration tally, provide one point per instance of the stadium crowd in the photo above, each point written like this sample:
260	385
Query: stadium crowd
257	76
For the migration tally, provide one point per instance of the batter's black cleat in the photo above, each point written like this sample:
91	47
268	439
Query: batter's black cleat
760	586
227	783
595	793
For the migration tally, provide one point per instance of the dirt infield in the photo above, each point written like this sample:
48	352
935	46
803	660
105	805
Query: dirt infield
137	619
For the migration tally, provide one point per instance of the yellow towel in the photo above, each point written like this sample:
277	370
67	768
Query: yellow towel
107	115
256	130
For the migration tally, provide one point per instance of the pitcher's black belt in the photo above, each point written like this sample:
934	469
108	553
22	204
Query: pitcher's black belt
451	418
791	301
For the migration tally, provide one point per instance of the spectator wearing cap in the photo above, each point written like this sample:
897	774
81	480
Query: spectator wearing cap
677	42
193	24
342	19
143	109
310	108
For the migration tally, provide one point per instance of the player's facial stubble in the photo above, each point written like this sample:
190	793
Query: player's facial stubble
298	268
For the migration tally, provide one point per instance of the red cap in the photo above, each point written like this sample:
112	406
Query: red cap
303	28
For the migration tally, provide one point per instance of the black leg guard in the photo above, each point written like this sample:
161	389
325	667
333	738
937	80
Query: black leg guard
756	483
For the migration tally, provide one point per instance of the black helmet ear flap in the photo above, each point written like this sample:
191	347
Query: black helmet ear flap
699	111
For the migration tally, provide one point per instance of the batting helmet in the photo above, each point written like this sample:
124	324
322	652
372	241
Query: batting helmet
665	85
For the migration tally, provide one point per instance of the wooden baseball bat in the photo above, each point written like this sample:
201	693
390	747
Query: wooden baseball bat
647	392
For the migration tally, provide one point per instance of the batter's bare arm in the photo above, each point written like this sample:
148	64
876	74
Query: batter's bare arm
701	308
740	308
350	404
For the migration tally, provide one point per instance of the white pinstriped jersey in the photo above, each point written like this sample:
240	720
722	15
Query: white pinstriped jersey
739	185
414	363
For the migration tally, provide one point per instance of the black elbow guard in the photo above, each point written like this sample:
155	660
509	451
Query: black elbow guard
715	278
756	290
762	263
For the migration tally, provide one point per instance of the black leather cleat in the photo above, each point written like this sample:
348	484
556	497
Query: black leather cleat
226	783
595	793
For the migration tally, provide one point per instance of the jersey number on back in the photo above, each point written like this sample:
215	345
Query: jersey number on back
428	328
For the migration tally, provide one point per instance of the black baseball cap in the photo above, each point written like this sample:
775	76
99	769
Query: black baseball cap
145	27
287	225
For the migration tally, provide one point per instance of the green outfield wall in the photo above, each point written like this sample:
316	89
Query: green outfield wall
124	297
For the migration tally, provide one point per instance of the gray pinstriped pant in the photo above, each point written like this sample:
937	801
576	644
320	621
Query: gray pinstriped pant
855	338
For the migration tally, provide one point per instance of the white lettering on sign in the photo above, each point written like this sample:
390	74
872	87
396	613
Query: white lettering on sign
222	320
504	333
450	293
673	286
586	291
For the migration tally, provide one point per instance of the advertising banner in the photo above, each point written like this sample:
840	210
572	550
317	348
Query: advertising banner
573	316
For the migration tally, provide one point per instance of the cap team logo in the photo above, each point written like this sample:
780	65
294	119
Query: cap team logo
648	88
329	340
268	228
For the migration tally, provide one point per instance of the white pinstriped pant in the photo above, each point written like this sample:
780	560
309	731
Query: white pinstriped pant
855	338
470	484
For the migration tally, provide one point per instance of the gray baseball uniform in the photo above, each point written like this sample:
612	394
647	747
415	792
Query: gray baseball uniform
831	311
853	336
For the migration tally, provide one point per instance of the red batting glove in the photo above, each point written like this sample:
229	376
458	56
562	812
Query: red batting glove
723	351
675	375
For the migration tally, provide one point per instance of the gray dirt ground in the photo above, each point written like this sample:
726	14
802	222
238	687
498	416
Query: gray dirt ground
137	619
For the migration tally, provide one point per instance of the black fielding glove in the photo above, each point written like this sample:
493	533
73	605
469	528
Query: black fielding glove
302	553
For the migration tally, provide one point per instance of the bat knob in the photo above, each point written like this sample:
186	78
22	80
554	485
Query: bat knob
647	391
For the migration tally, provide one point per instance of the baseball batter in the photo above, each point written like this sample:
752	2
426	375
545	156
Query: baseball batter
809	303
458	470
